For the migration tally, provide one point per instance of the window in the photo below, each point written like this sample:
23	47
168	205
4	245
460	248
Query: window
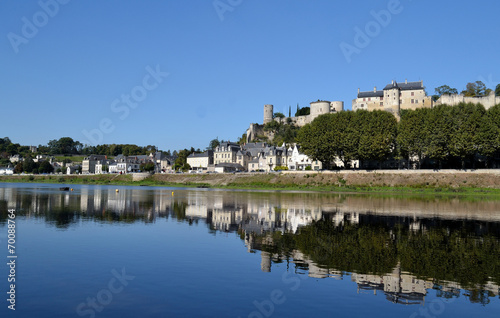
412	101
381	97
416	101
412	93
369	98
364	99
381	103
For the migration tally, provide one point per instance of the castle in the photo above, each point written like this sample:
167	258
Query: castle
317	108
393	98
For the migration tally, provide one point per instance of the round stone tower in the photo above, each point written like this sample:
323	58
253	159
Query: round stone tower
268	113
336	106
319	108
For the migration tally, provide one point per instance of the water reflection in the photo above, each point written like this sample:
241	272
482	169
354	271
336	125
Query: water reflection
398	246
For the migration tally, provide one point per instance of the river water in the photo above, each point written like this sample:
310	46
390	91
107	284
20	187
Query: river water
116	251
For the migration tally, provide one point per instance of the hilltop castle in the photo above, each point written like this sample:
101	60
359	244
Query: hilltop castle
393	98
317	108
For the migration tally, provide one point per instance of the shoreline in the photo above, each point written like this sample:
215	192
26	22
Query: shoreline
395	182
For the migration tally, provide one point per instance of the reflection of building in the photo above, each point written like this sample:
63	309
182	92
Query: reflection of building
398	287
266	220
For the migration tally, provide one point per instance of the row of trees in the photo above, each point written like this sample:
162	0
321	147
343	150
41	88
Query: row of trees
449	135
477	89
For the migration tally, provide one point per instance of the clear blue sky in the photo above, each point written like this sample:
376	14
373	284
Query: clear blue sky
222	66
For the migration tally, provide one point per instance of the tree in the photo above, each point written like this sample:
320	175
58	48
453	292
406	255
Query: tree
302	111
149	166
316	139
28	165
441	123
377	135
497	90
414	133
465	130
214	143
64	145
476	88
242	140
488	138
45	167
18	168
443	89
278	115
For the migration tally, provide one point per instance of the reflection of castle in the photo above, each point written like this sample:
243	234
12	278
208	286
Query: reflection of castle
398	287
260	217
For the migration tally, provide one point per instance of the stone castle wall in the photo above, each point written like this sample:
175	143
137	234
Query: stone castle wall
455	99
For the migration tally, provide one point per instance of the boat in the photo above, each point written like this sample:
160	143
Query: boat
64	188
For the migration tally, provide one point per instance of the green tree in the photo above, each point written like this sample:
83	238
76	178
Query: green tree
377	135
464	139
28	165
214	143
242	140
414	133
441	123
488	138
278	115
497	90
45	167
302	111
443	89
18	168
149	166
476	88
316	139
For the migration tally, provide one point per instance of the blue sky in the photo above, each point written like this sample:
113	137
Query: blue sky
68	75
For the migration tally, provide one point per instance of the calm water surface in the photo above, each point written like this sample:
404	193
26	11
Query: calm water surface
165	252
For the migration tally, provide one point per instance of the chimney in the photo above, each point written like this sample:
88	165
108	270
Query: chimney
374	89
358	90
406	81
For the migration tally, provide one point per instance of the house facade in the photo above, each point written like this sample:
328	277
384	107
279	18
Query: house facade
226	152
393	98
200	161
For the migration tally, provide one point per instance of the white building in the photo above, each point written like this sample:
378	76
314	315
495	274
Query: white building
200	161
299	161
6	171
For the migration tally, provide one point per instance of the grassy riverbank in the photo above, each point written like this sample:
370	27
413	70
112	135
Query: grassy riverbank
402	182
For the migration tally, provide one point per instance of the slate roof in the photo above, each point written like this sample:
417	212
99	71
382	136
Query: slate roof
371	94
405	86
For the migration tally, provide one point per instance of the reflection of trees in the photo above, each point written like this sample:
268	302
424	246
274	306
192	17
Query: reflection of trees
450	256
444	254
350	247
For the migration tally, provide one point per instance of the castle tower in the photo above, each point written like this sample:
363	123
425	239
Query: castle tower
268	113
336	107
319	108
392	97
